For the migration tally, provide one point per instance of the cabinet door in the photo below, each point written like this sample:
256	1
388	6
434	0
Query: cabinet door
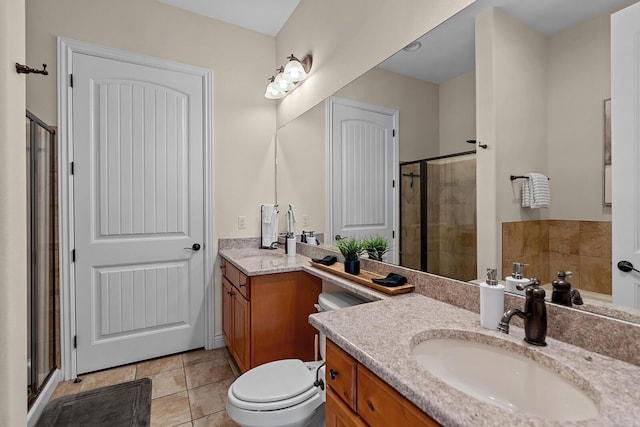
227	320
338	414
241	324
341	374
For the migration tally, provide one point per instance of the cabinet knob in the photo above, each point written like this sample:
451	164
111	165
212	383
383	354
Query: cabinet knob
333	374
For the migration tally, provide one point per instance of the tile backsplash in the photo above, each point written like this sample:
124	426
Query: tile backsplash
548	246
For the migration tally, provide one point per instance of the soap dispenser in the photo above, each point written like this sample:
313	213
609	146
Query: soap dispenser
562	289
516	279
491	301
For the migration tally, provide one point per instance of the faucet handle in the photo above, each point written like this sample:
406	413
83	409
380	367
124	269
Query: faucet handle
533	282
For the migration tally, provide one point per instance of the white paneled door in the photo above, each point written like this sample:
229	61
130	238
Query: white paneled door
625	150
363	172
138	211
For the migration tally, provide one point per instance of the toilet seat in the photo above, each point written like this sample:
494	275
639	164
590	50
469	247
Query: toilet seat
273	386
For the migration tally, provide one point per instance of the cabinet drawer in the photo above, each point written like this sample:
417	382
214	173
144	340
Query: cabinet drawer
236	277
338	414
341	374
379	403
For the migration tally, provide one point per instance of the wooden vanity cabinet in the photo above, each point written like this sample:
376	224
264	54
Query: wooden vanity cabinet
236	323
357	397
265	318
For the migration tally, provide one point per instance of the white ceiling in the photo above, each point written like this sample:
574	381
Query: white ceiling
447	51
264	16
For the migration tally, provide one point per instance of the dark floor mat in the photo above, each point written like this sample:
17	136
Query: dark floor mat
127	404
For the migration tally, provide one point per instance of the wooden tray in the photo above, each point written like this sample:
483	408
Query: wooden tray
364	278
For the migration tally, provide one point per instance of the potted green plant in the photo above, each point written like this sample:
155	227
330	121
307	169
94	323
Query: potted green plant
351	249
376	247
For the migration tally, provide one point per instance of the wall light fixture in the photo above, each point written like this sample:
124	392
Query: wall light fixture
288	77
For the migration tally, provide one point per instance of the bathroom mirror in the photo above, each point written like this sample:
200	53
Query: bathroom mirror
567	236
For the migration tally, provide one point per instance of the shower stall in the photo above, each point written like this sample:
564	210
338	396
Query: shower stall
42	285
438	215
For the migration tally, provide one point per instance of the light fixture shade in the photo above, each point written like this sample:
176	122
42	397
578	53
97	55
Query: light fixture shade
296	70
274	92
282	83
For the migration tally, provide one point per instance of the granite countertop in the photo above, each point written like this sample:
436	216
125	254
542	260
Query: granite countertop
381	335
257	262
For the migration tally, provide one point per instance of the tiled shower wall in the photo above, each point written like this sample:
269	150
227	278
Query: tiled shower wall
548	246
451	218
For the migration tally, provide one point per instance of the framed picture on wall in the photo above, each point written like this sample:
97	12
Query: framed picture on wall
607	154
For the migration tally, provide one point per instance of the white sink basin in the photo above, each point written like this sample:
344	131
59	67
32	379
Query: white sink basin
505	379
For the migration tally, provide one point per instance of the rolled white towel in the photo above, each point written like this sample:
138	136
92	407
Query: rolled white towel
540	191
526	194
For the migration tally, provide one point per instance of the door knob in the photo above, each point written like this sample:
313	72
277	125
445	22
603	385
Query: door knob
626	266
195	247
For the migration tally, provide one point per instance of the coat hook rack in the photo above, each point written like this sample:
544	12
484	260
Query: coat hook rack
480	144
25	69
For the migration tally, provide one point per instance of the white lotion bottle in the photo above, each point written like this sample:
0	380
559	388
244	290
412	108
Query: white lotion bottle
291	246
516	278
491	301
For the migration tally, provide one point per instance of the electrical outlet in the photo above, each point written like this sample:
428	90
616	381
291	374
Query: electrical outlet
305	220
242	222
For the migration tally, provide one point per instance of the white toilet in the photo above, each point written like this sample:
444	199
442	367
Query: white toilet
282	393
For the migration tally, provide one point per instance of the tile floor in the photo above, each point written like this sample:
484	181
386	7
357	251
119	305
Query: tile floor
189	389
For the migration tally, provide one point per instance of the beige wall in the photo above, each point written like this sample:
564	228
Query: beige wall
13	218
457	106
302	169
349	38
579	82
513	91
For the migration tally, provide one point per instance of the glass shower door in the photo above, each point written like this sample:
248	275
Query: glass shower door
41	289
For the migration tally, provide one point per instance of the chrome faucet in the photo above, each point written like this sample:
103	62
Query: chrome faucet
534	315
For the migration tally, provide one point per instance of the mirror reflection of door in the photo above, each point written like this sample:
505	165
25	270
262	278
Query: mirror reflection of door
363	172
625	120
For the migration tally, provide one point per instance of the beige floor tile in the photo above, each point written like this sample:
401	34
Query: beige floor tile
169	382
207	372
209	399
108	377
189	424
198	356
66	388
219	419
151	367
170	410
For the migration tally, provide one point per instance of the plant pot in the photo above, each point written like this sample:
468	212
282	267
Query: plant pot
352	267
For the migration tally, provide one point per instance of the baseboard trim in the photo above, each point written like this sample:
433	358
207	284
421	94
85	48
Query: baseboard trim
218	341
42	400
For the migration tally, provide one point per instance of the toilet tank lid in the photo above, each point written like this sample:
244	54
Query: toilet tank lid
336	300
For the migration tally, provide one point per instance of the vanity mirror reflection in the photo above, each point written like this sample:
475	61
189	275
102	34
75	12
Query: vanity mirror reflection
542	101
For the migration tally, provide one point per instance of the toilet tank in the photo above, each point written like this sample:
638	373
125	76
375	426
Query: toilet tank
328	301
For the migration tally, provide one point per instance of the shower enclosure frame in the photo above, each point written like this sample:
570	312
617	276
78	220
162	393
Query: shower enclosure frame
423	203
35	383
